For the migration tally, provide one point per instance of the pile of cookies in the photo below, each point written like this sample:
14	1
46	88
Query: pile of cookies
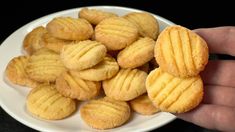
104	59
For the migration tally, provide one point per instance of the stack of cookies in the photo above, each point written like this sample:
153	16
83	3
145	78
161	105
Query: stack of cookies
104	60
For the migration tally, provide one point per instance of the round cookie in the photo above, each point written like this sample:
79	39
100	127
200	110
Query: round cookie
44	66
15	72
174	94
102	71
70	28
46	102
105	113
146	23
71	85
116	33
95	16
181	52
126	85
143	105
83	54
136	54
33	40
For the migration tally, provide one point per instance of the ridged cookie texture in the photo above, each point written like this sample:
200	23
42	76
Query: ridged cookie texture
126	85
15	72
146	23
44	66
46	102
95	16
70	28
70	85
174	94
33	40
102	71
143	105
53	43
82	55
136	54
116	33
181	52
105	113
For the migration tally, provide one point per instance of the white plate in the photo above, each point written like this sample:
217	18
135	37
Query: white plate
12	97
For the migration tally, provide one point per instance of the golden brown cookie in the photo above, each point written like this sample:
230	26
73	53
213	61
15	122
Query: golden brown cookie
126	85
146	23
105	113
53	43
174	94
95	16
136	54
181	52
70	28
33	40
15	72
102	71
70	85
46	102
116	33
143	105
44	66
144	67
83	54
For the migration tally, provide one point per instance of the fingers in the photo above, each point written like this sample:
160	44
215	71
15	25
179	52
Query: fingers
220	73
220	40
219	95
212	116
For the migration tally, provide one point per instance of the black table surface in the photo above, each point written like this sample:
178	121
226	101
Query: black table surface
192	14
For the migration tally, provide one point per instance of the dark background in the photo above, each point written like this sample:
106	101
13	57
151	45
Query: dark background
192	14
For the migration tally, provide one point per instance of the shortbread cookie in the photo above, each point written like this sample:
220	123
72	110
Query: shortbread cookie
181	52
82	55
44	66
105	113
143	105
116	33
33	40
53	43
136	54
146	23
70	85
126	85
144	67
95	16
70	28
46	102
174	94
102	71
15	72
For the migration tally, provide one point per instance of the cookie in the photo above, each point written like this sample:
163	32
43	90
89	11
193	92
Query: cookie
33	40
181	52
53	43
146	23
44	66
143	105
174	94
102	71
70	28
46	102
95	16
70	85
83	54
105	113
116	33
126	85
136	54
15	72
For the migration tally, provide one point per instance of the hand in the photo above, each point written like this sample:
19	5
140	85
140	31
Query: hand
217	110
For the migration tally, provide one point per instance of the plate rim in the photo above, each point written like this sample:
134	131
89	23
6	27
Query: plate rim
59	13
